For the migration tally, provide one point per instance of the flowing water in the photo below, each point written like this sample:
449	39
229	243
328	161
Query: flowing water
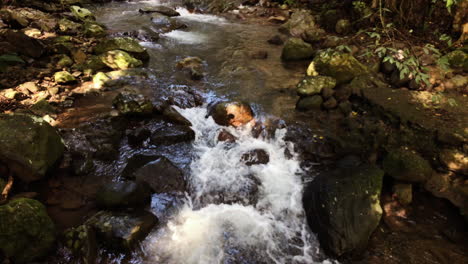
233	213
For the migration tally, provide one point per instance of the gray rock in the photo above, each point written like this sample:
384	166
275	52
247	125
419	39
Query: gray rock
172	135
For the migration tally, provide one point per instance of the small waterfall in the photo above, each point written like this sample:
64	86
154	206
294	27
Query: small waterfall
270	228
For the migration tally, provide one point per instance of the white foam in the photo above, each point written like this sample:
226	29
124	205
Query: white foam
212	19
272	227
184	37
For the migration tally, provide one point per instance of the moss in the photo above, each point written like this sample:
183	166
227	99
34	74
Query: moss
63	77
341	66
406	165
314	85
119	60
26	231
296	49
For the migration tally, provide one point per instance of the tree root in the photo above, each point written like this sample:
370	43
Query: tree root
7	189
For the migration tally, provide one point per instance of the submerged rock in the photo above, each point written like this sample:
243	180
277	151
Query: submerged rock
255	157
157	172
132	103
123	194
296	49
232	114
122	230
26	231
341	66
30	146
313	85
406	165
343	207
193	65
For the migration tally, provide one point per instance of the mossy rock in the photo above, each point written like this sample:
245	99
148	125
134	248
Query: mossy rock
343	207
64	61
458	59
30	146
82	14
119	60
296	49
64	77
132	103
92	64
313	85
406	165
26	231
93	29
341	66
68	26
126	44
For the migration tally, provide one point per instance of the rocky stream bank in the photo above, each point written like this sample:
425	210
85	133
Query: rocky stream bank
96	154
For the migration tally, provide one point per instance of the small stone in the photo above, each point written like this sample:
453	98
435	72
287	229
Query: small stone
63	77
331	103
403	192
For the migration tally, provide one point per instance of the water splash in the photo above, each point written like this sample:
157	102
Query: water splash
268	229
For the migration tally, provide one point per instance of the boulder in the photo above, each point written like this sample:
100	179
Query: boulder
122	230
406	165
255	157
342	206
30	146
300	22
82	14
26	231
309	103
22	43
313	85
64	77
94	30
123	194
126	44
157	172
232	114
119	60
132	103
296	49
164	10
172	135
341	66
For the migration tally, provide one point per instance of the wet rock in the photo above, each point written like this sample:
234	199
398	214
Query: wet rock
82	14
299	22
138	135
172	135
122	230
343	26
157	172
454	160
255	157
276	40
330	103
296	49
119	60
406	165
166	24
313	85
30	146
132	103
82	242
167	11
343	208
341	66
232	114
193	65
27	233
403	193
225	136
23	44
64	77
309	103
123	194
173	116
126	44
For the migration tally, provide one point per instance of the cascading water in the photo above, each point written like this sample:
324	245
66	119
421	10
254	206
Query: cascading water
268	229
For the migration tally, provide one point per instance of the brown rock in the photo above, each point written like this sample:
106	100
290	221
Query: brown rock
226	136
232	114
